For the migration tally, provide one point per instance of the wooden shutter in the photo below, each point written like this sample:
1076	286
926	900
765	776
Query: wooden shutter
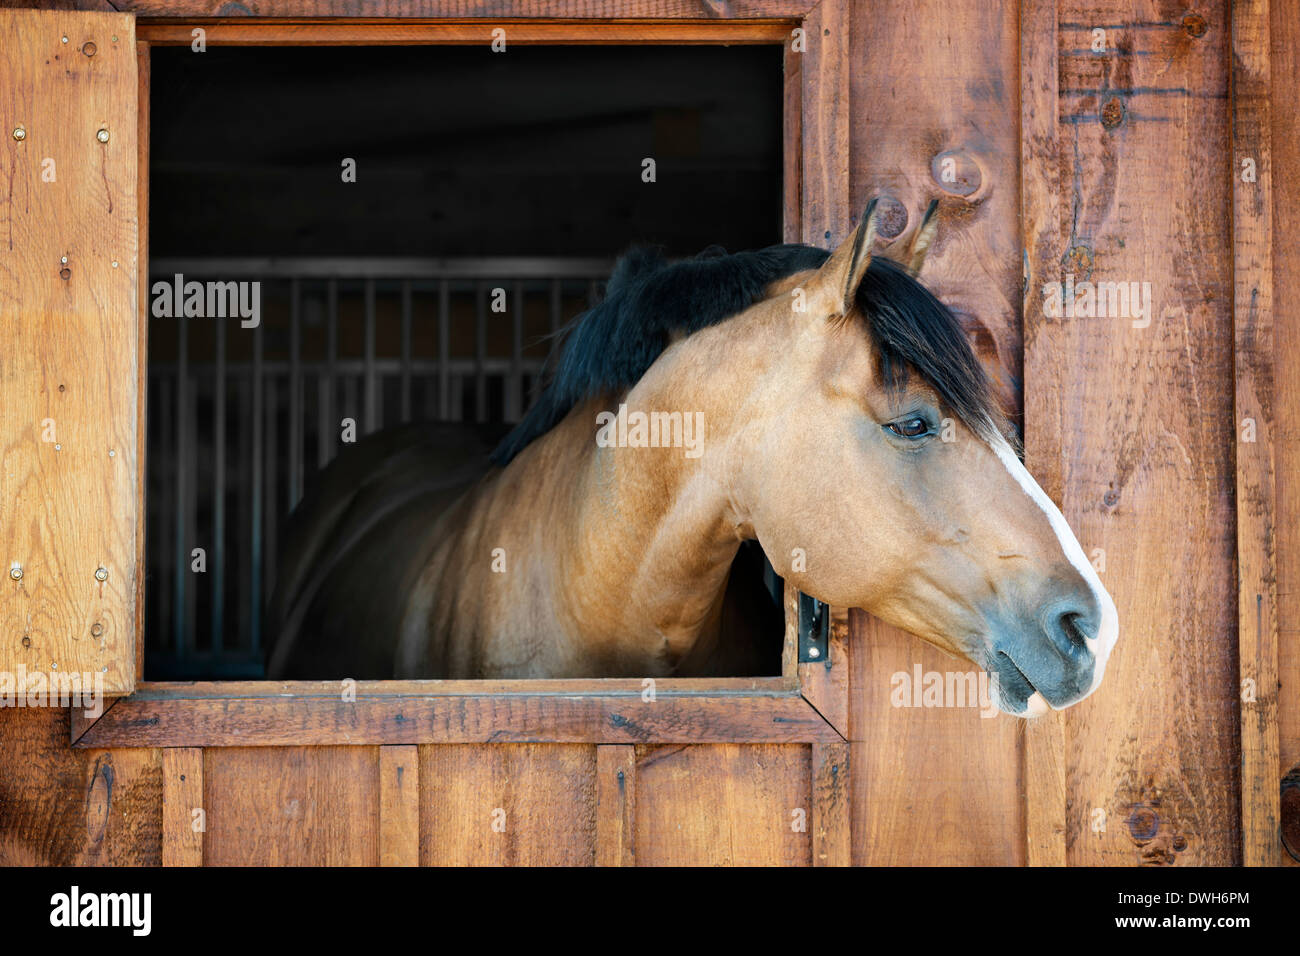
71	411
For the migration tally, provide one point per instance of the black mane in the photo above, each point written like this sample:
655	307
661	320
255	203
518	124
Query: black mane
648	301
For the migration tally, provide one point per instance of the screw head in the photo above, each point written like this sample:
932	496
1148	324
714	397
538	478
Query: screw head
102	136
63	259
101	574
65	39
814	652
20	134
16	573
89	48
114	263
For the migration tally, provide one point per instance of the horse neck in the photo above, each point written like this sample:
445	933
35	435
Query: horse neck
654	530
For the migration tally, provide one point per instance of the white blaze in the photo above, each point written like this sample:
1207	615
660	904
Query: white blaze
1108	629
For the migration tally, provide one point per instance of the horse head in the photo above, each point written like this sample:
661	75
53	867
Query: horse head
878	474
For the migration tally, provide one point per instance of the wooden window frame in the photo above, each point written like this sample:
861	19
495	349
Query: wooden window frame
808	703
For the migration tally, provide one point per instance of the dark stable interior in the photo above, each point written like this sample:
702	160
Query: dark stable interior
530	160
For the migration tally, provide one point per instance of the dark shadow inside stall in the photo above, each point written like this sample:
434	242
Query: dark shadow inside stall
384	199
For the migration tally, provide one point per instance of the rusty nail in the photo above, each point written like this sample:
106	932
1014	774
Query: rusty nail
101	574
20	134
89	49
1194	24
16	572
96	629
1180	843
1112	112
102	136
1143	823
65	273
27	641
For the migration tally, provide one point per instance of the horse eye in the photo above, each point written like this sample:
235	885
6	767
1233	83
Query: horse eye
909	427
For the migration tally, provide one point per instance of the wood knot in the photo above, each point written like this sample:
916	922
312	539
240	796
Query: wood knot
891	217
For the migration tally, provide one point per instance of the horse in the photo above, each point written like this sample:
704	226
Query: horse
824	406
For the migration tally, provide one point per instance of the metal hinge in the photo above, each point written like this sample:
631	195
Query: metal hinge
814	629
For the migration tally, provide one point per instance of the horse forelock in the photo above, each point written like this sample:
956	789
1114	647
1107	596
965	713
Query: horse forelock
650	302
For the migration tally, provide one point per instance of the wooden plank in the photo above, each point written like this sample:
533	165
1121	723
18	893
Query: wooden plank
1285	82
598	687
959	65
143	63
832	844
65	807
825	684
69	375
288	721
292	806
399	806
508	805
792	145
1131	425
826	217
247	32
727	805
932	786
183	811
615	805
1043	741
1252	239
474	9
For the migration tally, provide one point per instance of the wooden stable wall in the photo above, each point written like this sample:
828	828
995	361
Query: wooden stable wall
1120	164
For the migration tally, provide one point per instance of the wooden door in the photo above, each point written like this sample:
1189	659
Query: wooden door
72	419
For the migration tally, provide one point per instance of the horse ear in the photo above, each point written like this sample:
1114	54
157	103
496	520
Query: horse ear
841	274
923	238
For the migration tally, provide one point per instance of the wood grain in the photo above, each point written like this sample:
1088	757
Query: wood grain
1043	741
350	32
615	805
1252	240
508	805
1131	429
298	721
832	843
291	806
65	807
724	805
939	786
399	806
69	369
475	9
931	786
825	214
825	684
182	786
1285	83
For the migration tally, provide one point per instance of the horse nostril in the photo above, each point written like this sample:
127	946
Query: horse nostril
1070	632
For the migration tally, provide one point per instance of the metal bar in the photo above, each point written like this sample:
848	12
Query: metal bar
480	352
182	564
295	393
406	350
515	386
272	267
271	528
166	509
244	523
444	349
219	487
329	436
256	528
495	365
371	410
